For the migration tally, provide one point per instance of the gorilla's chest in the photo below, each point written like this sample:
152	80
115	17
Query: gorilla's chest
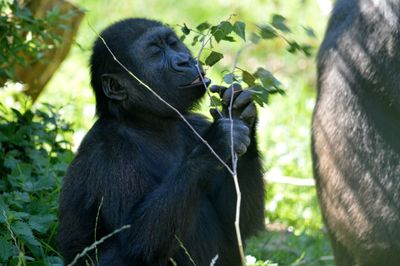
163	159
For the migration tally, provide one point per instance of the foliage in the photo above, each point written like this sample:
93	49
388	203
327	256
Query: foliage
262	82
25	39
287	248
34	155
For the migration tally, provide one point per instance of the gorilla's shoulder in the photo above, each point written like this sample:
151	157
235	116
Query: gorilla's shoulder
107	136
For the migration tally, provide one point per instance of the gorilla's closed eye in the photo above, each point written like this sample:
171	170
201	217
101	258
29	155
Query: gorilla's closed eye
154	49
173	42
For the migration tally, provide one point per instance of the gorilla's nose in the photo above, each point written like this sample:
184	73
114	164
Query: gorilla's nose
181	62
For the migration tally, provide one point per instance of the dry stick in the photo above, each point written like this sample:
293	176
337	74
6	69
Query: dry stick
234	157
237	187
96	243
95	228
214	260
185	250
173	262
203	44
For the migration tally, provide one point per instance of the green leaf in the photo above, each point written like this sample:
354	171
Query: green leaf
279	22
240	29
248	78
260	94
228	38
185	29
307	50
226	27
267	32
213	58
203	26
268	81
310	32
229	78
10	161
215	100
21	229
42	223
255	38
222	30
195	40
293	47
6	249
3	210
18	215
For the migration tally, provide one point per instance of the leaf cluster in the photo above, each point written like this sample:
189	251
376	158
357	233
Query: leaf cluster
206	33
262	82
25	39
34	155
278	28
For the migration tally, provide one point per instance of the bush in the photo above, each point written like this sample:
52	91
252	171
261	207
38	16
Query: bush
34	155
24	39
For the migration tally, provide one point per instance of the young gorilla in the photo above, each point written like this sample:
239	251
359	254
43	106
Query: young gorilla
148	169
356	132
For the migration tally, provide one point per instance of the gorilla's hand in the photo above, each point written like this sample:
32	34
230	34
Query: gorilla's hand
221	133
242	106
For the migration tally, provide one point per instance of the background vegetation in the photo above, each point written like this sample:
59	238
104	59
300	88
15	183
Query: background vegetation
296	235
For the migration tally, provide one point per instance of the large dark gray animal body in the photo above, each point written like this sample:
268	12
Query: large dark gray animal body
356	132
141	165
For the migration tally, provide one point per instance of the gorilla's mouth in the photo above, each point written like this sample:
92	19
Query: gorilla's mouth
199	81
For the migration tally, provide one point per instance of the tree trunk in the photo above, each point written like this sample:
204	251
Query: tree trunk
36	75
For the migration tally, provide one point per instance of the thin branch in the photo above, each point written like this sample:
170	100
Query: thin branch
96	243
173	262
95	228
295	181
234	157
185	250
203	44
214	260
21	256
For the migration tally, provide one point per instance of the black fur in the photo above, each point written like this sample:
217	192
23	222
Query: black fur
356	132
148	167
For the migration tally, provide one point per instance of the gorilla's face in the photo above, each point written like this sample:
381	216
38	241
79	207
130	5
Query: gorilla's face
153	53
165	64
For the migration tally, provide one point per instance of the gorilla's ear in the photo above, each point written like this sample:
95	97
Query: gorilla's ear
112	88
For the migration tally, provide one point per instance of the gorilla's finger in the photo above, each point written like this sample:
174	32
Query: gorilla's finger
241	149
226	97
214	113
219	89
249	113
242	99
